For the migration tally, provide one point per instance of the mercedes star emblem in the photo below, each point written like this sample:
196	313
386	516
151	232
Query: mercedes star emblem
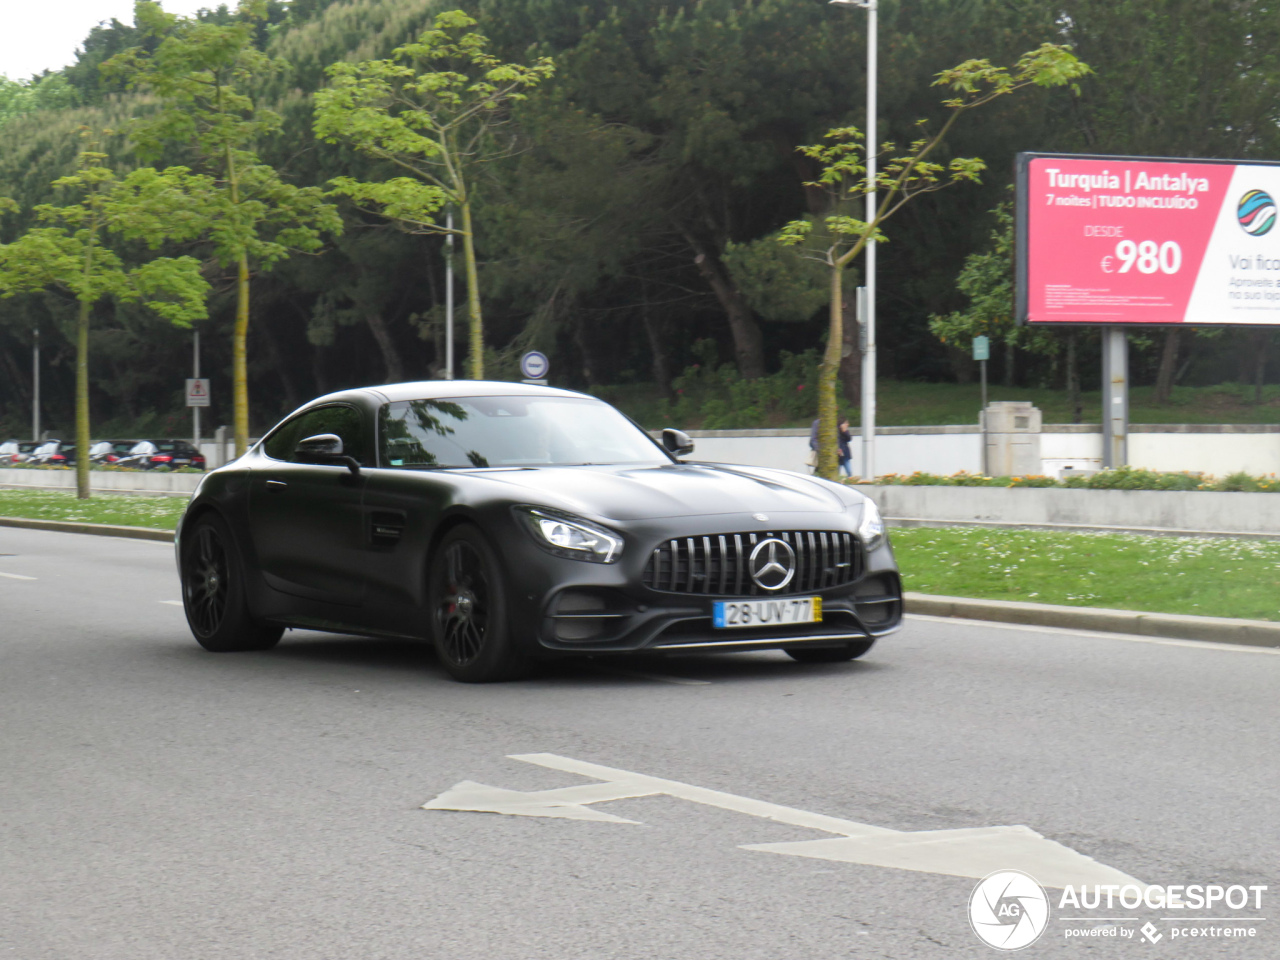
772	564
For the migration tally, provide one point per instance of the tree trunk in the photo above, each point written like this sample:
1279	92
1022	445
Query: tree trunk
292	397
1262	341
828	452
390	356
748	344
473	295
657	349
1073	379
850	351
1168	365
82	396
1008	363
318	371
239	356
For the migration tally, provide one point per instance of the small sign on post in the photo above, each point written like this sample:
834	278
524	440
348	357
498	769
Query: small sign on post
535	366
197	392
982	353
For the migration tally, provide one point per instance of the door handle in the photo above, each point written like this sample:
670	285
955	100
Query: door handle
276	485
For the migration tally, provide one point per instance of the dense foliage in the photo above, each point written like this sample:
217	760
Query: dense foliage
637	210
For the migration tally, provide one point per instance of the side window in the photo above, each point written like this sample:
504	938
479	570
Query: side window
340	420
279	445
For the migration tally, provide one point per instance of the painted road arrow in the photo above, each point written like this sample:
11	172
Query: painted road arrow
972	852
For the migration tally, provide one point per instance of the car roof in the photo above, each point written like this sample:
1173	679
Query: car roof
431	389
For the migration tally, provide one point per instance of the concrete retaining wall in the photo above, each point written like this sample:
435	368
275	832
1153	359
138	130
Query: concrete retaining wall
1192	511
104	481
1217	449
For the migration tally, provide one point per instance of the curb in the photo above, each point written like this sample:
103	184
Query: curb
1253	633
99	529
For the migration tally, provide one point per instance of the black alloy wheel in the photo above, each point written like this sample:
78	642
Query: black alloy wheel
468	610
846	651
213	591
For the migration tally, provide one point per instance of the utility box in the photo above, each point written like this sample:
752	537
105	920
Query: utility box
1011	434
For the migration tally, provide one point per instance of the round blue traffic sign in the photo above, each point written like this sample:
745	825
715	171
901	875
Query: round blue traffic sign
534	365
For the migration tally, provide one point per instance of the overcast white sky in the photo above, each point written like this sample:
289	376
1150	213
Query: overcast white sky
38	35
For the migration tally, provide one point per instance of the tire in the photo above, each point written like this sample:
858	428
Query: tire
846	651
214	593
467	606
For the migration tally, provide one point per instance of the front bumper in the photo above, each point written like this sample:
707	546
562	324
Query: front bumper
568	606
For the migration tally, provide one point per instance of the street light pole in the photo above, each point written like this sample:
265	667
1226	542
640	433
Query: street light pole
868	337
35	385
195	373
448	297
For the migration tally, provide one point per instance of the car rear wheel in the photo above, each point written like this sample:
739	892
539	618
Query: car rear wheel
846	651
468	607
214	594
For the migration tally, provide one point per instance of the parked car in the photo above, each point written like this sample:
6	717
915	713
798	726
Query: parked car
48	453
506	522
103	451
177	453
9	452
25	450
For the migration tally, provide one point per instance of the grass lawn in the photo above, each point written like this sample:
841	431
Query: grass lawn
160	513
1204	577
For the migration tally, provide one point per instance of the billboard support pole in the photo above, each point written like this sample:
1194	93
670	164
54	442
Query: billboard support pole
1115	397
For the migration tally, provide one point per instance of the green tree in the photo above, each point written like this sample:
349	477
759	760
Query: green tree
71	256
20	97
203	72
904	176
987	280
433	110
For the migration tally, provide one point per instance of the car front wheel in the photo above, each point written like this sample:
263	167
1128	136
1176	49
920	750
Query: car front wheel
214	593
467	603
846	651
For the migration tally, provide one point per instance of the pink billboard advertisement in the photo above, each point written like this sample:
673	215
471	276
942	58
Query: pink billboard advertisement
1133	240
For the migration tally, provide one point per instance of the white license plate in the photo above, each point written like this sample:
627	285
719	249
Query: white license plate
730	614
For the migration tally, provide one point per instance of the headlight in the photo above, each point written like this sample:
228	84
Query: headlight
568	536
871	528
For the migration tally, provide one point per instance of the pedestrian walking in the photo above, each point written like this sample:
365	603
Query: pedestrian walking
844	439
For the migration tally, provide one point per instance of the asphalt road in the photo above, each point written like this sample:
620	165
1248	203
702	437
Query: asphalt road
157	801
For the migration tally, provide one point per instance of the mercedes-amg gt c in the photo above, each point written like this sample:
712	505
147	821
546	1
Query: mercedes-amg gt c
506	522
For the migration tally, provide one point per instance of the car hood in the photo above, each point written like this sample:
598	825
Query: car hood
640	492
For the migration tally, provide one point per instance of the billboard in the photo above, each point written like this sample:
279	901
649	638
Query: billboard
1134	240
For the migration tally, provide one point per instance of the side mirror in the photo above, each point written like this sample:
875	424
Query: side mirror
676	442
324	448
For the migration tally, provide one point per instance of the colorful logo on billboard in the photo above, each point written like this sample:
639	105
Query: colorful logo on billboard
1256	213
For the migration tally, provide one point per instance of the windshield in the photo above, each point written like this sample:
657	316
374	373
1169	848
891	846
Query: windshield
508	432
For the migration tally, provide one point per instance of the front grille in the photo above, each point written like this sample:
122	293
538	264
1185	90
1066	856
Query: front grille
717	564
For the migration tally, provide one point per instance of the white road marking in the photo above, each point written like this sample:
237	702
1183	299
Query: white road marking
971	852
1100	635
15	576
172	603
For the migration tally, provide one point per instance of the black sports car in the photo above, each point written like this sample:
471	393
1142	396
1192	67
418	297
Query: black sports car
507	522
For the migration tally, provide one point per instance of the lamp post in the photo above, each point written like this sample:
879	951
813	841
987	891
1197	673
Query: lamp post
448	296
869	254
35	384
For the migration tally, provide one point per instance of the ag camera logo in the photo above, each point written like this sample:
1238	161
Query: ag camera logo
1256	213
1008	910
